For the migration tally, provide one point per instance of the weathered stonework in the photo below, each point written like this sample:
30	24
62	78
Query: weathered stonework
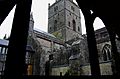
56	70
104	67
67	44
64	17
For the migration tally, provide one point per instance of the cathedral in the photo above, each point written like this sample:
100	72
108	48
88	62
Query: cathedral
64	20
66	44
64	50
64	40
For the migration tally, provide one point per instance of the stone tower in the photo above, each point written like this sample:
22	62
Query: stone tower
64	20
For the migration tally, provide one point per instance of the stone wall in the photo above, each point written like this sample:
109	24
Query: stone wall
61	16
56	71
100	48
70	34
86	70
56	12
104	67
72	12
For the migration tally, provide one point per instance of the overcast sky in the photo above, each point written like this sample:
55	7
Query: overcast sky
40	15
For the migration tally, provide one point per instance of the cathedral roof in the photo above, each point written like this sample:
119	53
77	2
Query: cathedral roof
44	32
47	36
4	42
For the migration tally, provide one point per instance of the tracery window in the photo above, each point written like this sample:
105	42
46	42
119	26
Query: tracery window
106	52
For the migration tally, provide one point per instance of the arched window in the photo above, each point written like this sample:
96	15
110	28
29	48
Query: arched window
55	25
106	52
69	23
78	28
104	55
74	25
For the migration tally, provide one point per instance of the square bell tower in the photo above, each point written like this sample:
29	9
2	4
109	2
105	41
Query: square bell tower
64	20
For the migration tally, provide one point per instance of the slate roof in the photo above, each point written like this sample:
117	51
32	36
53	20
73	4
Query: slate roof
44	32
4	42
47	36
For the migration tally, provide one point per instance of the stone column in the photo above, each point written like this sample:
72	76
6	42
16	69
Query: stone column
115	55
93	53
15	61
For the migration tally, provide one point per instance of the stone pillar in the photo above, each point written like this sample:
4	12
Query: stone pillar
15	61
115	54
93	53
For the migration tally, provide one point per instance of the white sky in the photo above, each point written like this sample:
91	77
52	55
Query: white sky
40	15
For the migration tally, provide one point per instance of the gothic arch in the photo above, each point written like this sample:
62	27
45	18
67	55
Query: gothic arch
55	25
74	25
106	51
